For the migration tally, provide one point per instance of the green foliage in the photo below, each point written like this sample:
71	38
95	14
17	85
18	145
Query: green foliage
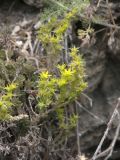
61	90
17	71
57	86
6	101
56	90
71	80
46	90
51	34
66	122
68	85
60	7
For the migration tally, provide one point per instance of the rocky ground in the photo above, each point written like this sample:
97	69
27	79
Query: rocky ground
15	12
103	70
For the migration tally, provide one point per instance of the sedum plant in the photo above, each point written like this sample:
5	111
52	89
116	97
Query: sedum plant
59	91
71	82
46	89
52	32
6	101
51	35
60	84
64	87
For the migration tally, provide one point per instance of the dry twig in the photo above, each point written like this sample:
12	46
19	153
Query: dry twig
98	152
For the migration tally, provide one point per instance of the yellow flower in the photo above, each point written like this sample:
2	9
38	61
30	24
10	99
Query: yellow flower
45	75
74	50
67	73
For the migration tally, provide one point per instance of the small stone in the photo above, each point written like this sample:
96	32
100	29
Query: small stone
19	43
15	30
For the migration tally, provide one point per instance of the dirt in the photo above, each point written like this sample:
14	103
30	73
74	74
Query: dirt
13	12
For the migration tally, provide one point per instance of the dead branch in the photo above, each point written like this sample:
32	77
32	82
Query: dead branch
77	132
98	153
90	113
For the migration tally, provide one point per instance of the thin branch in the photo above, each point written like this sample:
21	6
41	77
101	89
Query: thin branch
77	131
59	4
98	4
88	98
110	12
106	131
31	108
114	140
86	110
